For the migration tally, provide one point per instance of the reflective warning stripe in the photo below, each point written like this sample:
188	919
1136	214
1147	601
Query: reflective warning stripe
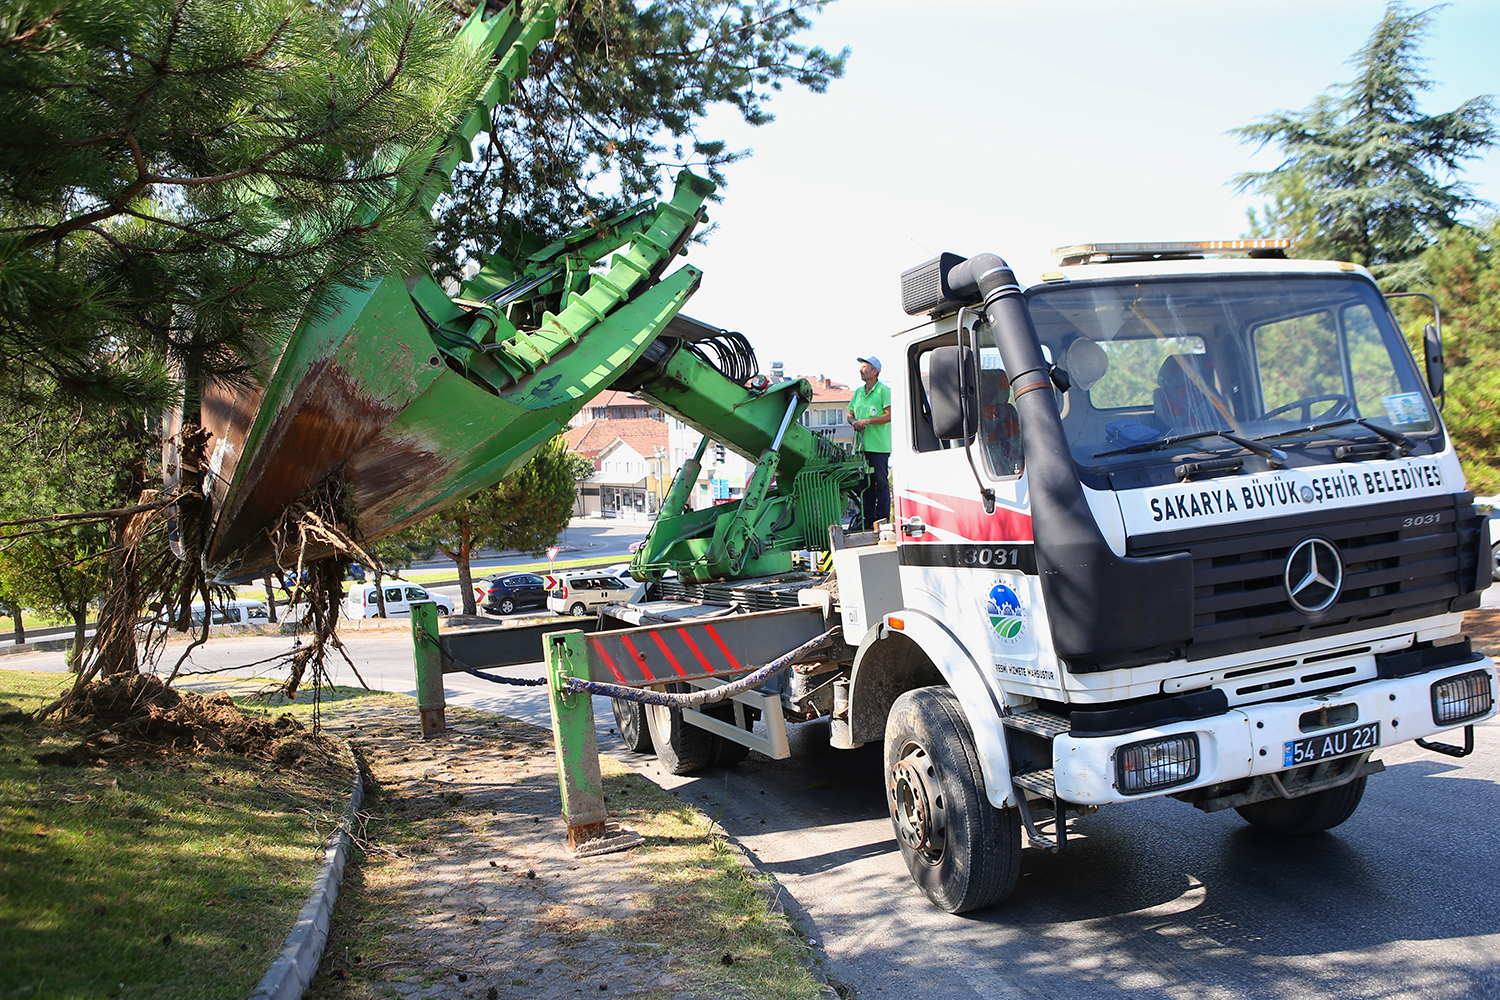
640	661
656	636
688	638
608	660
733	663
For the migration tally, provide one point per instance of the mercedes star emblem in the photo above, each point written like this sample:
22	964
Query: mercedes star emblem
1314	576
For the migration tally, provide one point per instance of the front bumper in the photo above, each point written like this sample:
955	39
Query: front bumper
1251	740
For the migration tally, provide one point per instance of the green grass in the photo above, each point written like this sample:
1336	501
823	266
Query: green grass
167	878
707	902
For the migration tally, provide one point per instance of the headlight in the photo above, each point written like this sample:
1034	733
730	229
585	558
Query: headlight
1156	764
1459	699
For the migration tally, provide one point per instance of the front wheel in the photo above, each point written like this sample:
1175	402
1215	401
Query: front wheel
1307	814
1495	561
961	851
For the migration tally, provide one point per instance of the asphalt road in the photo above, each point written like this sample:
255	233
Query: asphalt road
1401	901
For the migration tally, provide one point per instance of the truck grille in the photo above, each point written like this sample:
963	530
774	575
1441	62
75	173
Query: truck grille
1401	562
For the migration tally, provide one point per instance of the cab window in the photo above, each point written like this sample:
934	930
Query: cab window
998	436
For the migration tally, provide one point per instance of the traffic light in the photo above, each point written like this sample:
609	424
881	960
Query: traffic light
718	453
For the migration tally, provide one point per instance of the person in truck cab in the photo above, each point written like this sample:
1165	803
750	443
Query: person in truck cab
870	416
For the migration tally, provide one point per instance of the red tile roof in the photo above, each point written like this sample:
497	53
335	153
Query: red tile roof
641	433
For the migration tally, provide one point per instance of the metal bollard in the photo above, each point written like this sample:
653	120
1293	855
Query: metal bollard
432	704
574	740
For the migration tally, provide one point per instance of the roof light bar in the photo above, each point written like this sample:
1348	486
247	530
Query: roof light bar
1099	253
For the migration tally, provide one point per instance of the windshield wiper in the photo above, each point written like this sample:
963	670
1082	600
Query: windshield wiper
1265	451
1401	441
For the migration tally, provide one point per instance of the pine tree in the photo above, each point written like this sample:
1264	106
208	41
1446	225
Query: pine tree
615	104
1367	176
178	176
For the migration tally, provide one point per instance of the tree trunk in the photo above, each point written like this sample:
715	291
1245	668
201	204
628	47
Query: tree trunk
466	580
270	599
114	635
20	627
80	620
379	593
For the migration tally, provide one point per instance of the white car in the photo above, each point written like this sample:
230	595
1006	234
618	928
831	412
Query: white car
362	601
583	592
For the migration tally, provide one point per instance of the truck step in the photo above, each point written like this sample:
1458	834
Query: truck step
1040	782
1044	724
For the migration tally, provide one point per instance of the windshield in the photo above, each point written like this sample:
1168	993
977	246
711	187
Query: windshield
1164	368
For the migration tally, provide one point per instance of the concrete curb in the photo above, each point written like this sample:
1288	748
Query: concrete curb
293	969
44	646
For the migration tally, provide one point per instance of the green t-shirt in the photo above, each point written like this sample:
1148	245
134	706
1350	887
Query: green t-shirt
872	403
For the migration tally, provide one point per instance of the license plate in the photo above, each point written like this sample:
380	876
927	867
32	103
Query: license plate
1335	744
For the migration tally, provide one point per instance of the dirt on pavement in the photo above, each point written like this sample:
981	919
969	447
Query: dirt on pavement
466	888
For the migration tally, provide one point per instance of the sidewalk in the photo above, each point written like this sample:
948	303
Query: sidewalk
486	901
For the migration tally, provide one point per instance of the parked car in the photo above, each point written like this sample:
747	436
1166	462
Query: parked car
582	593
236	612
361	601
500	595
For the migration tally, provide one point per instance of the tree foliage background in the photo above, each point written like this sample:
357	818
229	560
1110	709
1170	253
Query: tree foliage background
1368	177
614	106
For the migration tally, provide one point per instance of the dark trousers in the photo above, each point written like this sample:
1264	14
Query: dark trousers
875	500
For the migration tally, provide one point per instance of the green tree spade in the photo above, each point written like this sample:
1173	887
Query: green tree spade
1367	176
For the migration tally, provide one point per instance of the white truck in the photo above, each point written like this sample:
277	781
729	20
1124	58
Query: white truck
1168	523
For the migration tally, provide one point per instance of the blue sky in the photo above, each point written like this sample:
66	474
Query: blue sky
1014	127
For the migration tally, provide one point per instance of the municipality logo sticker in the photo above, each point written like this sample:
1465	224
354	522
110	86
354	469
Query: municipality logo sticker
1007	617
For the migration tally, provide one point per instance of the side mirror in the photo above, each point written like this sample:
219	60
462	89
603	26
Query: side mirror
953	379
1432	347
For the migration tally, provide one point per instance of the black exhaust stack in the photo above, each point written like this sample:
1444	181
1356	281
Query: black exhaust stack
1107	611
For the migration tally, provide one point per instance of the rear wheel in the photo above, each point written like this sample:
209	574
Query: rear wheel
963	852
630	720
1495	561
578	610
729	752
1308	814
507	605
681	748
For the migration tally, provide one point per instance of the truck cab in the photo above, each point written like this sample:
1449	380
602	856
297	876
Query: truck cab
1166	523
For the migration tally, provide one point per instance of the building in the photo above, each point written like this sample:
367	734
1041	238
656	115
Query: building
613	404
633	471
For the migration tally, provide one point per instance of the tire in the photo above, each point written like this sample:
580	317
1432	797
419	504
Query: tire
578	610
681	748
630	720
1495	561
507	605
728	753
961	851
1313	813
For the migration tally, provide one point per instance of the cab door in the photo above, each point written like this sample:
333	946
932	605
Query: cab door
965	545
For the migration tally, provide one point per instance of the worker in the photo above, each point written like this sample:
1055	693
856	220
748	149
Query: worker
870	416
